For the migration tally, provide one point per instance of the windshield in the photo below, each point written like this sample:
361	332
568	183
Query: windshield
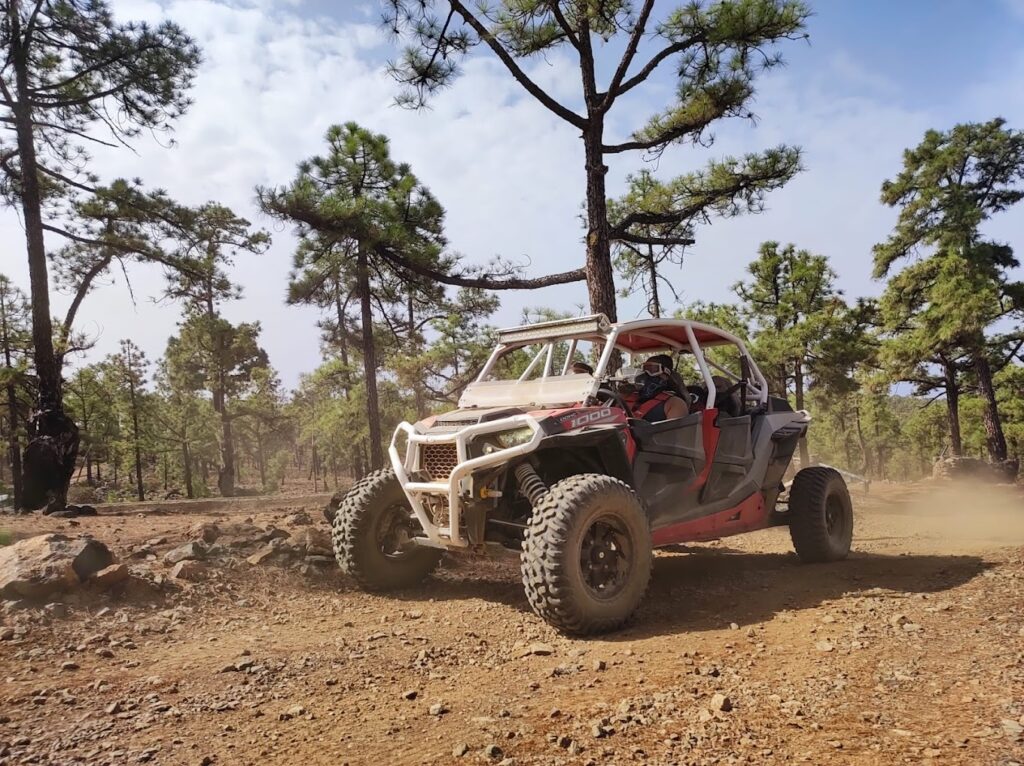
553	372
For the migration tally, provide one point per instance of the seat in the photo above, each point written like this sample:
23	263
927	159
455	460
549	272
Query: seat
728	403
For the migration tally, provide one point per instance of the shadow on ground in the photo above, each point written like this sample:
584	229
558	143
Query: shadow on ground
709	589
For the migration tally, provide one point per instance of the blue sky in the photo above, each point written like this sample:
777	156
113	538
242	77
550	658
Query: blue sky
874	77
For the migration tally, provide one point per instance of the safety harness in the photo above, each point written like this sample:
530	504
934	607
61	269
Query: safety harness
642	409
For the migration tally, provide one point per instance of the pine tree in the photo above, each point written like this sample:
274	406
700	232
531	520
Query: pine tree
219	356
15	345
716	49
957	284
72	73
792	302
365	222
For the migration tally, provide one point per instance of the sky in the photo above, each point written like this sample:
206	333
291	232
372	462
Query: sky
276	73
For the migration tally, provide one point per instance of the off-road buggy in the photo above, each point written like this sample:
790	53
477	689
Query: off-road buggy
551	463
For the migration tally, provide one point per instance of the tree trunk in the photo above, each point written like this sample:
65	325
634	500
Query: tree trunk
260	460
997	451
654	304
135	425
186	469
226	474
88	468
600	276
369	362
865	455
314	468
53	437
798	386
953	409
13	444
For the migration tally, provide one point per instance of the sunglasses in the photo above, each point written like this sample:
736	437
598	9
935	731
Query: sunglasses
653	368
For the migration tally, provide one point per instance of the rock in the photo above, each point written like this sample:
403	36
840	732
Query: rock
261	556
331	509
113	708
40	566
311	541
272	533
298	519
293	712
410	694
493	751
241	534
194	551
438	709
721	702
599	665
1011	727
824	646
104	652
111	575
540	650
7	634
69	665
207	532
460	750
189	569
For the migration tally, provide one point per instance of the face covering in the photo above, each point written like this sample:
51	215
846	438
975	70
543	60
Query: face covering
650	385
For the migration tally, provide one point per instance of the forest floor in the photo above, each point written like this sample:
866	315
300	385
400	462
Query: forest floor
912	651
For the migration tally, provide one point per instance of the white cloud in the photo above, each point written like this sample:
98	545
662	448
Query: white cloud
509	173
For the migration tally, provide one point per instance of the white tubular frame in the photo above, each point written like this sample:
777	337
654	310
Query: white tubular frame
458	487
457	484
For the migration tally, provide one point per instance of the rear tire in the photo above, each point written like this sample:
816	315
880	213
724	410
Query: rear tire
820	515
587	555
368	529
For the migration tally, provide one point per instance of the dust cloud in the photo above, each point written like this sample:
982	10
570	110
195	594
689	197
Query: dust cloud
962	514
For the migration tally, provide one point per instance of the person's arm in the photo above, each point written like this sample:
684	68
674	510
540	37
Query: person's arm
676	408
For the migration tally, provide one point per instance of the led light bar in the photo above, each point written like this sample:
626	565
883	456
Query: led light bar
596	324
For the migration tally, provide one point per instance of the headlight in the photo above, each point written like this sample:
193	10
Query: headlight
514	437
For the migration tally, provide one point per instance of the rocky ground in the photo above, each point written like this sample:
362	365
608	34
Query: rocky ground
256	650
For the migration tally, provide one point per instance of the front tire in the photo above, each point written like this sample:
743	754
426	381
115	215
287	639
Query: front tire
371	532
587	555
821	515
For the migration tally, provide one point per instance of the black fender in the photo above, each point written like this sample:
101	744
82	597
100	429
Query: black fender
598	449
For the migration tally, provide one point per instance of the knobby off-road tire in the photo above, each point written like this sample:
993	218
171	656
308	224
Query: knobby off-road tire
821	515
579	519
363	536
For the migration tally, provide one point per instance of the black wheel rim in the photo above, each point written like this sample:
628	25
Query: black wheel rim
835	518
395	531
606	557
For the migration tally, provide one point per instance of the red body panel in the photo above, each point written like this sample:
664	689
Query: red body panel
749	515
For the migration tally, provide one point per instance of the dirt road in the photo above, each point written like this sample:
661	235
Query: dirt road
910	652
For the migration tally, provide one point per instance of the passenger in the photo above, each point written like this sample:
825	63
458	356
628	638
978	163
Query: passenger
655	397
580	368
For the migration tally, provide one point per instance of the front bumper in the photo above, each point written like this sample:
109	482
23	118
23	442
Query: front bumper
457	489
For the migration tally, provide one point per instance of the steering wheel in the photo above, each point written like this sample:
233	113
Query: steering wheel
608	396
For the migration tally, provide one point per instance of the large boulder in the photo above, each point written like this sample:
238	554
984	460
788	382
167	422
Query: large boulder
41	566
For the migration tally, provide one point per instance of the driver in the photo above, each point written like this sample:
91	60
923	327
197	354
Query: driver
655	396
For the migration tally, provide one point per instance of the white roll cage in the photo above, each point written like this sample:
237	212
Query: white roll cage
598	330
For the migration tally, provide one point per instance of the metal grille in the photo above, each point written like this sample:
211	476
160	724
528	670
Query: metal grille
438	460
